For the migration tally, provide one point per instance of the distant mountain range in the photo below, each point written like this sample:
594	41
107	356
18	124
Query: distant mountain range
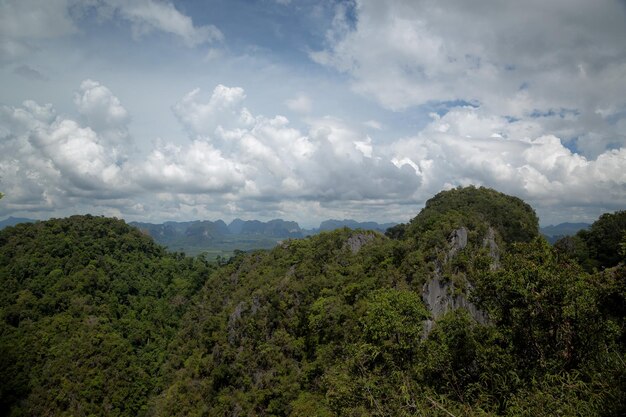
329	225
216	238
95	312
205	232
12	221
554	233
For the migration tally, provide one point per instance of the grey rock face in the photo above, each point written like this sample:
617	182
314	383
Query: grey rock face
494	252
440	295
458	241
234	322
356	241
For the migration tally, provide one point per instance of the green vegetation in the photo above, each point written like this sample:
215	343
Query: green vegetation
225	247
476	208
217	240
598	247
88	306
559	231
214	240
98	320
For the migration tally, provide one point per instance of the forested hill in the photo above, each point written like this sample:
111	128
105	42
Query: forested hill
88	307
556	232
465	310
215	239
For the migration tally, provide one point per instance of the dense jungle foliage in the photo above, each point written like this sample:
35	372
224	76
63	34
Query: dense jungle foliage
600	247
98	320
88	307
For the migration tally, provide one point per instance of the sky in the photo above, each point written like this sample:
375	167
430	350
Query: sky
156	110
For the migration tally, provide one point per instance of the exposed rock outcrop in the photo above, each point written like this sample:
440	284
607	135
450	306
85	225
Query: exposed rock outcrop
494	251
457	241
441	295
357	240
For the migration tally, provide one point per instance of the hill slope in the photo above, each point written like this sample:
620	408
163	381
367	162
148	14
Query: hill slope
98	320
335	324
12	221
88	306
553	233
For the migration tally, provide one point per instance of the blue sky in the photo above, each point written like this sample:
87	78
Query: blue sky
160	110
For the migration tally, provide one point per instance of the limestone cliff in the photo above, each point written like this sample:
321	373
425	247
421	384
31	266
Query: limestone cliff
442	294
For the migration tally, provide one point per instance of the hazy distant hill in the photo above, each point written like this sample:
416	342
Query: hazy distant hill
553	232
12	221
352	224
273	228
216	238
204	233
468	312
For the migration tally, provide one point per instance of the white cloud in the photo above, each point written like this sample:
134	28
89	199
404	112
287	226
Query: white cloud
101	109
532	60
234	157
198	168
25	177
238	162
222	111
47	160
374	124
35	19
78	155
300	104
330	162
24	23
468	147
149	15
364	146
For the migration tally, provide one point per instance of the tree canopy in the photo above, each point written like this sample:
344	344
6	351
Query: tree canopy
96	319
87	307
474	208
600	246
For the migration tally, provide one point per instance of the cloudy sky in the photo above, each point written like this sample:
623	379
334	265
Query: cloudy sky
305	110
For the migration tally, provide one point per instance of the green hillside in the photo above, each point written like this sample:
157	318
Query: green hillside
464	311
88	306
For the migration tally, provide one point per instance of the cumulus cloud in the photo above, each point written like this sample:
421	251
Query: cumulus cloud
100	108
77	154
27	180
58	153
237	162
543	60
234	157
50	162
467	146
105	116
223	110
330	162
198	168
